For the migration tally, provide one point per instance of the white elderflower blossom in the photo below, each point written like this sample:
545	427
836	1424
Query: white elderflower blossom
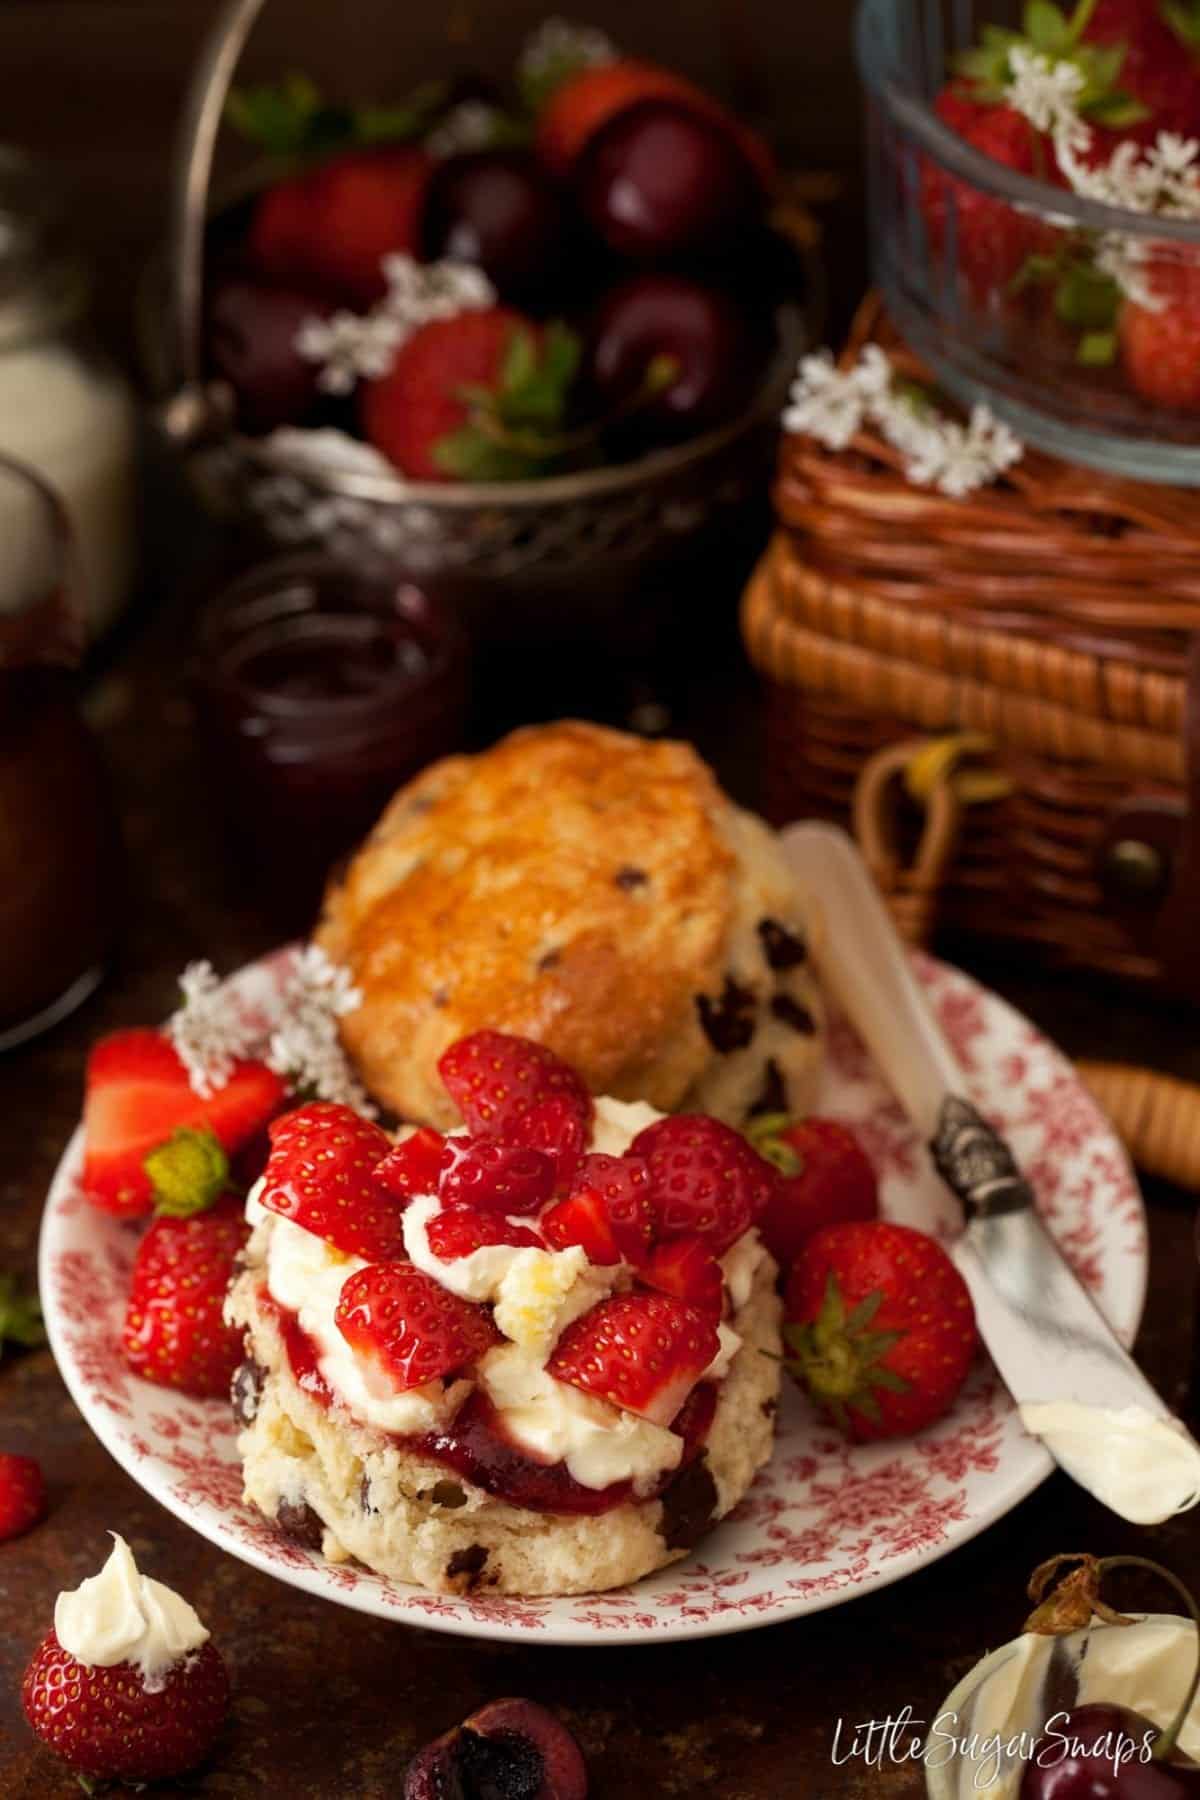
305	1047
831	404
209	1031
1047	94
353	347
471	125
558	42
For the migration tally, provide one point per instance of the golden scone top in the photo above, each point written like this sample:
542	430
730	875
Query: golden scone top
572	884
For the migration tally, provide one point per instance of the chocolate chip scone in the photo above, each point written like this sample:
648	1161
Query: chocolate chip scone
593	891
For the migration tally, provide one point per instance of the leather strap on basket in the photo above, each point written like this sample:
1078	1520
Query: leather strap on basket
933	773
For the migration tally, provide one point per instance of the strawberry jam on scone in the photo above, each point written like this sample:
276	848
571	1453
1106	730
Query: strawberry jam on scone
525	1356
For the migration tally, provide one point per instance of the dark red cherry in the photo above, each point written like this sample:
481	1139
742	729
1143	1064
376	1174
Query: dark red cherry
656	323
500	210
659	182
508	1750
251	337
1101	1752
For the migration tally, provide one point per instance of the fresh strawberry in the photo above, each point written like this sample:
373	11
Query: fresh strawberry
1153	70
706	1181
138	1094
498	1177
22	1494
409	1327
414	1166
826	1178
608	1211
174	1332
481	396
321	1175
642	1352
459	1230
687	1268
335	224
992	240
588	99
106	1723
881	1325
1160	346
493	1078
554	1128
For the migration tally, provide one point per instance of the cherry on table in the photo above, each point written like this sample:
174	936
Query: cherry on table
1086	1766
660	181
508	1750
708	352
500	210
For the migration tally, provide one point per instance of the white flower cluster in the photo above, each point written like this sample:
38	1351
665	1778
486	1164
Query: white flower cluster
471	125
352	347
209	1030
305	1047
561	41
832	404
298	1038
1162	178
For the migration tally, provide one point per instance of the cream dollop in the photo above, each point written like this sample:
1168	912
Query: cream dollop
1143	1468
121	1615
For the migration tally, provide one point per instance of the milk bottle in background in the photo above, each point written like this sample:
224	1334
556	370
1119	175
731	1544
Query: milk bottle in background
63	409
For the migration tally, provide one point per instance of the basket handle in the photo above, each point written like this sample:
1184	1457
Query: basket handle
196	405
1156	1116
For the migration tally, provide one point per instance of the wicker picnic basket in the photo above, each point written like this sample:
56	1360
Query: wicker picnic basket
1002	694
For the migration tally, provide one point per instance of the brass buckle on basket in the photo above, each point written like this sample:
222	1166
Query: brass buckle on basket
943	776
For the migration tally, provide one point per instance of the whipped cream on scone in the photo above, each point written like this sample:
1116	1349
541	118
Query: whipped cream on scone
500	1475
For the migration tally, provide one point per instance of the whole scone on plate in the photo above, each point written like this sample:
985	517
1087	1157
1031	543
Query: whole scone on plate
596	892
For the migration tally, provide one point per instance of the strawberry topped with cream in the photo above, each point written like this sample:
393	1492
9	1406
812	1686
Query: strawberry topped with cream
543	1304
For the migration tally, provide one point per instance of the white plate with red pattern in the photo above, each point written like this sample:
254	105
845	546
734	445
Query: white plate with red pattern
826	1520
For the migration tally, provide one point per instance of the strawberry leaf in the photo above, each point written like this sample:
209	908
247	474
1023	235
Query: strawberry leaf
20	1316
291	118
1047	28
1097	349
1183	16
1087	297
515	430
188	1173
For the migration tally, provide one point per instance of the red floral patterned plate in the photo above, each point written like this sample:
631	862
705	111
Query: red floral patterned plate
825	1520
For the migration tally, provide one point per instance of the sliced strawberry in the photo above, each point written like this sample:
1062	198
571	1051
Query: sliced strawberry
495	1079
414	1166
641	1352
608	1211
687	1268
459	1230
22	1494
556	1129
500	1178
409	1327
706	1181
321	1175
175	1332
138	1095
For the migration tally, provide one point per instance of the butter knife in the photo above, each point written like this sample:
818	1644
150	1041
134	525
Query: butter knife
1077	1388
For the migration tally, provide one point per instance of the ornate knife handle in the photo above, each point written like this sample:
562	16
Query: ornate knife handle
974	1160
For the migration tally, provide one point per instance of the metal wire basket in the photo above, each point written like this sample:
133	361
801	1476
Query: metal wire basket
511	548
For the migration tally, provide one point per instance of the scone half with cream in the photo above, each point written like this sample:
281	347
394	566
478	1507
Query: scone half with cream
595	892
539	1355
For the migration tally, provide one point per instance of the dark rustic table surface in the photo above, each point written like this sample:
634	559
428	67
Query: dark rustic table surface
330	1703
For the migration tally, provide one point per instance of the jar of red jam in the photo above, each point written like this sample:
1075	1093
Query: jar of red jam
59	856
321	690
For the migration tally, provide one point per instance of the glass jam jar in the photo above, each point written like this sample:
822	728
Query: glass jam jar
59	857
321	691
63	409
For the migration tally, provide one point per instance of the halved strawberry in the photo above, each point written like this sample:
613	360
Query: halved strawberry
500	1178
409	1327
687	1268
414	1166
175	1332
494	1079
138	1095
459	1230
608	1211
556	1129
706	1181
641	1352
321	1175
